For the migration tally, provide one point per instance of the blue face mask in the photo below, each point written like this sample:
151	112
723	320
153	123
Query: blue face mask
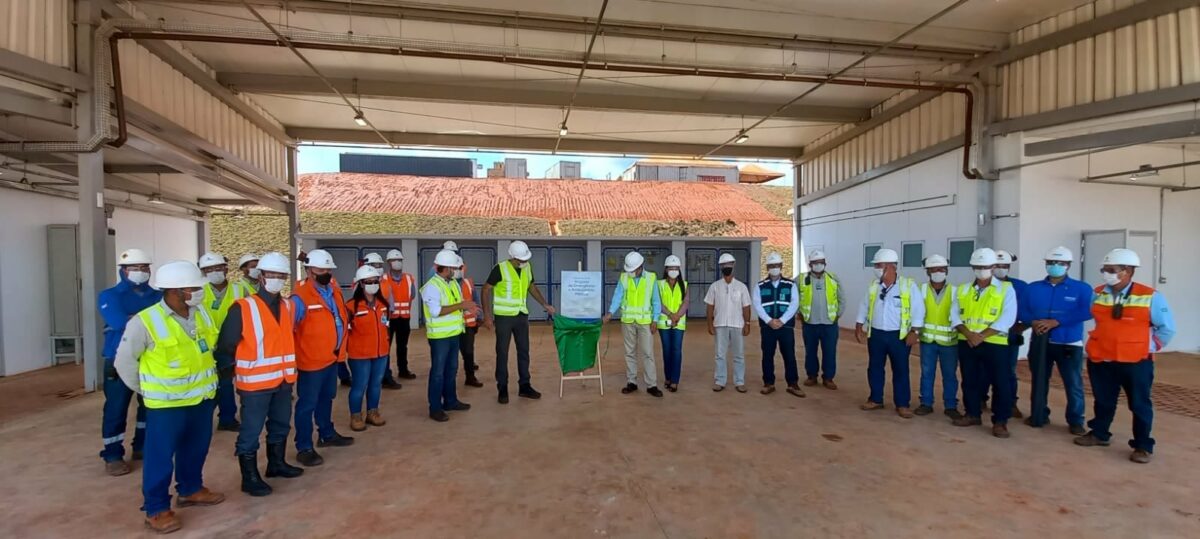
1055	270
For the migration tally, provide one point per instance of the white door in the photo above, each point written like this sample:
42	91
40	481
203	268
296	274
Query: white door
1092	248
1145	244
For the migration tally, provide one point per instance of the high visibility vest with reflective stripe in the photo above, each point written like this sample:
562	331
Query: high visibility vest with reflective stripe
508	297
1126	340
775	300
179	370
980	313
217	310
266	355
448	325
937	316
468	292
367	334
399	294
831	302
905	285
636	303
316	336
672	298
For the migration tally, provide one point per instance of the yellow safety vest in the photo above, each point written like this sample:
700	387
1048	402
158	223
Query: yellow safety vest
508	296
218	309
831	303
937	316
979	311
179	370
449	325
905	285
636	302
672	298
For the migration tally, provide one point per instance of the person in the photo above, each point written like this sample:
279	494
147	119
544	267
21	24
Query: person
1016	335
728	313
166	356
320	346
375	262
1133	322
248	265
893	323
506	310
939	341
672	321
821	303
117	306
400	289
257	349
636	296
444	305
1057	307
776	300
983	312
466	341
218	296
367	346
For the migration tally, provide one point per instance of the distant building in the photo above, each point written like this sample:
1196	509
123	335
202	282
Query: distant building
683	170
407	165
565	170
511	167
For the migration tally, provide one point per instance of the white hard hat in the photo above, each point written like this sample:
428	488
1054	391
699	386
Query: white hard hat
395	254
726	258
672	262
816	255
634	260
248	257
519	251
211	259
774	258
275	263
1122	257
448	259
372	258
983	257
450	246
1004	257
1060	254
133	257
365	272
936	261
885	256
178	274
319	258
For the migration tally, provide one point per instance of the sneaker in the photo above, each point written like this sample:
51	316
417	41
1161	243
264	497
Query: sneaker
391	384
904	411
164	523
716	388
357	424
440	416
375	419
740	389
672	387
529	392
871	405
503	397
1090	440
796	391
811	381
309	458
923	410
629	388
655	392
830	385
967	421
337	440
767	390
117	468
459	406
1140	456
1000	430
1078	430
953	413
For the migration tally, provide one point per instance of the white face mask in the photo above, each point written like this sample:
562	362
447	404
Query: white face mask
371	289
457	274
983	274
273	285
138	277
215	277
774	272
195	299
397	265
1001	273
937	277
674	274
1110	279
818	268
878	273
523	265
255	273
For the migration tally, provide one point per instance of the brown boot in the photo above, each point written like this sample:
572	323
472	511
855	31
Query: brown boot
795	390
117	467
1140	456
811	381
201	497
1000	430
164	522
767	390
356	423
905	412
967	421
374	419
830	385
871	405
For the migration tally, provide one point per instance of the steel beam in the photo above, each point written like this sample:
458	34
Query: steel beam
32	69
139	169
1115	137
1108	107
40	109
293	210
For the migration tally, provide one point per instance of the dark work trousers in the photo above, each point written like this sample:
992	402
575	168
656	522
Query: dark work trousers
825	336
512	328
117	397
466	346
398	331
226	402
884	347
1109	378
974	362
783	338
271	408
177	442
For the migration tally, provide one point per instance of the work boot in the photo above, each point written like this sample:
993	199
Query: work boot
164	523
309	458
1140	456
629	388
529	392
967	421
459	406
740	389
232	426
503	398
871	405
277	466
923	410
201	497
795	390
1078	430
391	383
829	384
811	381
655	391
1000	430
904	411
117	468
356	423
252	483
1016	412
718	387
337	440
439	416
953	413
767	390
1090	440
407	375
374	419
473	381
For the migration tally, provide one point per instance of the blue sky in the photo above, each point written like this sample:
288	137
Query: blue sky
325	159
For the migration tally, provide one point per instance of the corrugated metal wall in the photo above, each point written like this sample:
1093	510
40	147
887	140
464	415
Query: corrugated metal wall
40	29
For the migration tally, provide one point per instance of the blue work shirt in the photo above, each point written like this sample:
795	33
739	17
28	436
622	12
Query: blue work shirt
326	293
1019	287
1069	302
1162	322
119	304
619	295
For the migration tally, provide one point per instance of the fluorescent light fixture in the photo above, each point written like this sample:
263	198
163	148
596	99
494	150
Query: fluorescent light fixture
155	199
562	131
741	138
359	119
1144	171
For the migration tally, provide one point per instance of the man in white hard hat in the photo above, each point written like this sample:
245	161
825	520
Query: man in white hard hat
117	306
893	314
983	312
257	350
166	356
1057	308
822	302
775	300
400	289
638	299
219	295
248	264
506	309
728	311
939	340
1016	335
444	306
1133	322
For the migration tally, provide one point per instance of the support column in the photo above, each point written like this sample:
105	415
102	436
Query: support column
293	212
985	230
412	265
799	265
93	226
595	256
202	235
679	249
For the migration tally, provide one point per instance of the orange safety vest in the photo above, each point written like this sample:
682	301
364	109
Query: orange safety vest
316	336
1126	340
399	294
367	337
266	355
467	288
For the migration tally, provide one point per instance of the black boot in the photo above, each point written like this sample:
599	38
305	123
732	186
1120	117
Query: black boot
277	466
252	483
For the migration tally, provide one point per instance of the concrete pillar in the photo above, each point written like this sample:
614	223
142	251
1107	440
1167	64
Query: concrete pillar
755	263
412	265
203	235
293	210
93	224
679	249
595	256
502	250
799	264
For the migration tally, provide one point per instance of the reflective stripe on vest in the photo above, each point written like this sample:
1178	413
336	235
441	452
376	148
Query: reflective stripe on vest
508	296
468	292
636	303
266	355
831	302
937	316
775	300
1127	340
979	311
448	325
400	295
367	334
672	299
316	335
179	370
905	285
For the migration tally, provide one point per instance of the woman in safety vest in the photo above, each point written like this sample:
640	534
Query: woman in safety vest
367	346
672	322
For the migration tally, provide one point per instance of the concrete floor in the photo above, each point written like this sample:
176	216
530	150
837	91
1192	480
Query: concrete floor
694	464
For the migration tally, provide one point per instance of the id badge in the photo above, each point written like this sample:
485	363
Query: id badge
203	346
216	304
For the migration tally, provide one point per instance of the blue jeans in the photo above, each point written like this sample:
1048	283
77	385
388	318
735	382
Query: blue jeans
271	408
991	359
367	378
177	441
226	402
672	346
825	336
1070	368
443	358
117	396
783	338
883	346
315	391
1109	378
933	355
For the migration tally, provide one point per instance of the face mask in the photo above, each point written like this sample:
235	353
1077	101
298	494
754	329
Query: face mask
195	299
523	265
1001	273
727	271
819	268
674	274
371	288
1110	279
457	274
774	272
1056	271
878	273
937	277
215	277
255	273
137	277
324	279
632	274
983	274
397	265
273	285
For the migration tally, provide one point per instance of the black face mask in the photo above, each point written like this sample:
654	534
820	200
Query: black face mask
727	271
324	279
